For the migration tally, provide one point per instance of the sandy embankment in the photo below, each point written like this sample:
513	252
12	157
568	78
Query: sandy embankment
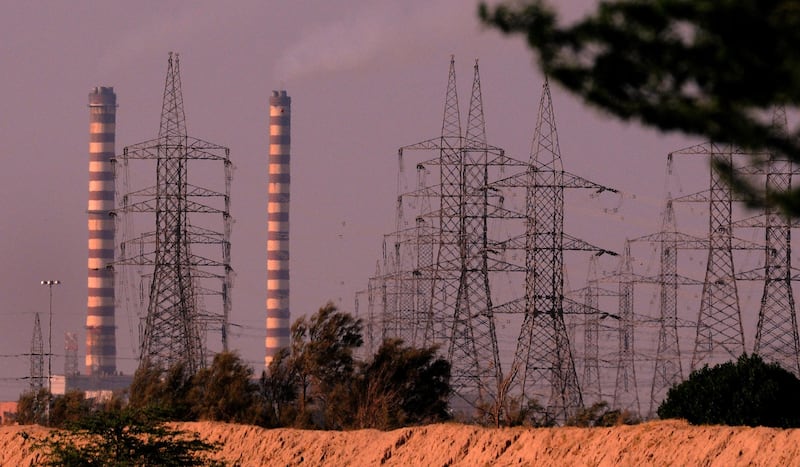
653	443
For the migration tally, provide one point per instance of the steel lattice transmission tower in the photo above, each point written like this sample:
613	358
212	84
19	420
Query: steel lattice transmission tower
190	255
37	377
720	335
460	316
626	393
668	369
469	244
408	257
776	332
37	357
70	354
590	381
544	356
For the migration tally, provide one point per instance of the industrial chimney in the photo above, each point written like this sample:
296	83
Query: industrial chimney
278	225
101	349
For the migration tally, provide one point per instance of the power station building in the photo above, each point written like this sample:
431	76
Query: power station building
278	317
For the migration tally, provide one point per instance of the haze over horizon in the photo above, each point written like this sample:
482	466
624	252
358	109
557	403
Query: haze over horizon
365	78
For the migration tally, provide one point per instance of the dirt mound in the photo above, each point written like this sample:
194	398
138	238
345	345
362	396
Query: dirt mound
653	443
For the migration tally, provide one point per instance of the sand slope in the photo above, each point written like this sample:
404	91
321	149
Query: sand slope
653	443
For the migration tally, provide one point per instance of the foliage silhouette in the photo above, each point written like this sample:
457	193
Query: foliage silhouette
715	69
225	391
600	415
164	390
746	392
401	386
31	407
124	437
318	383
321	362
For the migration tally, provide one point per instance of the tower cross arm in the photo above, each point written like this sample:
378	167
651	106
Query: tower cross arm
514	243
576	244
574	181
760	221
742	244
708	148
515	306
680	240
572	307
678	280
704	197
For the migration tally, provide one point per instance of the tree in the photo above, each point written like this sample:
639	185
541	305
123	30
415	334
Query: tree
225	391
31	407
318	383
322	363
711	68
123	438
166	390
277	391
69	408
402	385
746	392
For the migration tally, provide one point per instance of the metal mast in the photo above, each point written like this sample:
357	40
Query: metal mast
37	357
447	265
176	319
720	336
626	393
70	354
446	283
408	262
487	223
543	354
590	382
472	346
776	332
668	368
473	337
41	404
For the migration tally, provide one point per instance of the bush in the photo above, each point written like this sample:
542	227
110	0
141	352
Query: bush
224	391
124	438
746	392
31	407
318	383
69	408
278	392
321	365
600	415
166	390
402	386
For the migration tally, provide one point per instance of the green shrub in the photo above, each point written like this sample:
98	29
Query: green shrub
600	415
164	389
746	392
225	391
124	437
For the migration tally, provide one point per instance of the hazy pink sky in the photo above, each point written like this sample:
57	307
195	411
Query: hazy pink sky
365	78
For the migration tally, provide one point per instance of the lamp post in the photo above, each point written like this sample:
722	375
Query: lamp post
50	284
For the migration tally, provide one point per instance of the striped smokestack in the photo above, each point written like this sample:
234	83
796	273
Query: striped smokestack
278	225
101	349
